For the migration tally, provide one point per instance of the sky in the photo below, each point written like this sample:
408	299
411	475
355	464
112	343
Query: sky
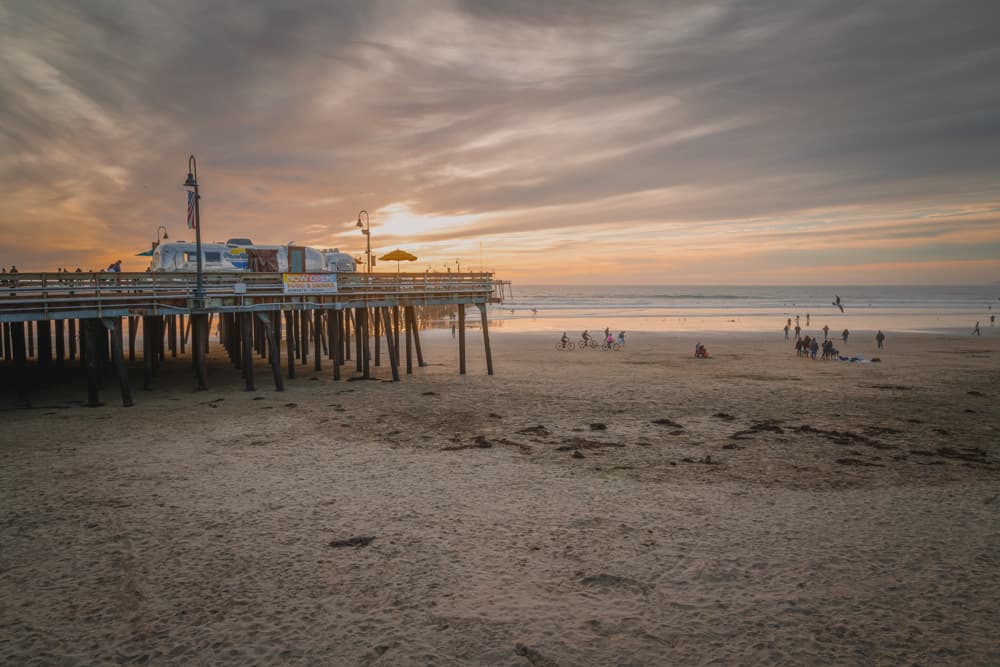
584	142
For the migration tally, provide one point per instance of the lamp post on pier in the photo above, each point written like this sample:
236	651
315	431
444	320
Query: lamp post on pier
366	229
192	182
158	237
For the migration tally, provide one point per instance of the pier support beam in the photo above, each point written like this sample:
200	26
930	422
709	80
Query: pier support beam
246	334
317	333
416	336
16	337
486	337
161	330
172	333
133	325
378	341
60	344
114	327
93	332
390	345
348	323
71	335
199	349
409	342
395	330
335	346
359	362
461	339
303	329
44	348
147	354
273	348
290	342
366	350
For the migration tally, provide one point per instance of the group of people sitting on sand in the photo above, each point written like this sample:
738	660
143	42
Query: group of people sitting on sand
810	347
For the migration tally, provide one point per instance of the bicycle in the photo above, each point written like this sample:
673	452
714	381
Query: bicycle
584	344
567	345
614	347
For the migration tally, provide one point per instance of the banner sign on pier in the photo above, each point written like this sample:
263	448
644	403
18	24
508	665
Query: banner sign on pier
309	283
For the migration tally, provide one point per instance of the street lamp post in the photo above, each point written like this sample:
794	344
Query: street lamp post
366	229
192	182
164	237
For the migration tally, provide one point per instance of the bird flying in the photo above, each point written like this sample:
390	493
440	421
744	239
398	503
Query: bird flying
837	303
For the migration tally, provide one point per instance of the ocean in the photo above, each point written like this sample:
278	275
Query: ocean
727	309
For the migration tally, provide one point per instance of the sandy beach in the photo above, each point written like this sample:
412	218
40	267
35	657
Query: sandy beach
638	507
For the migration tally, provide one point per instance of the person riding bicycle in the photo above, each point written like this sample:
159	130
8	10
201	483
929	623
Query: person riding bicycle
564	339
585	336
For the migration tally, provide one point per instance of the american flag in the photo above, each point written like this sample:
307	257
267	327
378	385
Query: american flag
192	224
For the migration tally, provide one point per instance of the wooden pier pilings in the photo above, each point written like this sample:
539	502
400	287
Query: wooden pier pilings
54	329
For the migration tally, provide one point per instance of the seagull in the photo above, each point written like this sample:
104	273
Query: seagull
838	304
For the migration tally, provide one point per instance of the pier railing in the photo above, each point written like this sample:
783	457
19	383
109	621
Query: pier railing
39	296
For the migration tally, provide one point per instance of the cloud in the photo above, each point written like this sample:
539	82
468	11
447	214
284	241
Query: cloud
541	123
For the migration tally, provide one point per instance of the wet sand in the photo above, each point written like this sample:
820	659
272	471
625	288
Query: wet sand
578	508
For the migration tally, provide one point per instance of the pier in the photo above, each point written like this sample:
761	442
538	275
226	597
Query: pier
52	321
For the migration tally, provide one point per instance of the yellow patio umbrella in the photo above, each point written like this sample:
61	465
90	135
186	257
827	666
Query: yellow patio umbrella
398	256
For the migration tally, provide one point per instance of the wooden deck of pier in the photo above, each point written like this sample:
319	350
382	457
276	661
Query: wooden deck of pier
52	320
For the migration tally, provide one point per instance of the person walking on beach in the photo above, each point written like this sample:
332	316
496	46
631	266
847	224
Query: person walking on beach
975	330
452	330
813	348
879	337
826	331
786	332
798	330
992	319
807	319
621	338
845	334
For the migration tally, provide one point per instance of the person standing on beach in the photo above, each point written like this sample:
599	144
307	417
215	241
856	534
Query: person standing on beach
786	332
845	334
879	337
621	338
992	319
807	319
798	330
826	331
